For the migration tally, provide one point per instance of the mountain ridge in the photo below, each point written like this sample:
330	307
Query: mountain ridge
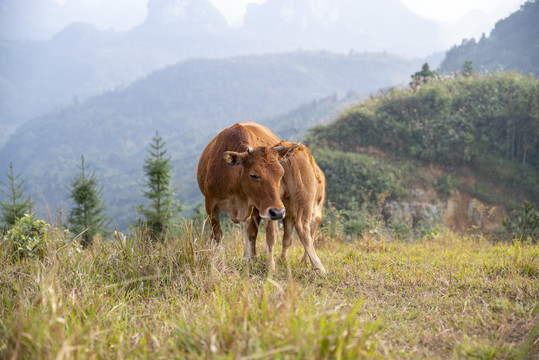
81	61
186	103
513	44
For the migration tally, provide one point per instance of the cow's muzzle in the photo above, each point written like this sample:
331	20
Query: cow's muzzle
277	214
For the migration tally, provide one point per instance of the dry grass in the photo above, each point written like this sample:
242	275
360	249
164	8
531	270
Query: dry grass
444	297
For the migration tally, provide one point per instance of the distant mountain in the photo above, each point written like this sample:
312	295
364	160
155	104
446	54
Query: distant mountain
188	103
187	25
39	20
80	61
513	44
342	25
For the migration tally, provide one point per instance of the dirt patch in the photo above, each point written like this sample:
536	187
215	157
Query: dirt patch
463	213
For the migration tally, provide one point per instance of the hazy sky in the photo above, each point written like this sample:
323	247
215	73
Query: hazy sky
443	10
132	12
452	10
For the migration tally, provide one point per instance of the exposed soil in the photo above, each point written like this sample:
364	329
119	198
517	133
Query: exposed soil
459	210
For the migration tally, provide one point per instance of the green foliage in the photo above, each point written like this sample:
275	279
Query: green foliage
16	205
446	185
490	123
87	217
400	227
430	226
423	76
356	180
513	44
26	239
468	69
163	208
523	222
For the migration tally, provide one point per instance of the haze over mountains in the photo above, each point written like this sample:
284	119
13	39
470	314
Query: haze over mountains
187	103
80	61
186	73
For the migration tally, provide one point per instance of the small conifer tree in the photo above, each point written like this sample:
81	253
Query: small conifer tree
16	205
423	76
87	216
468	69
163	208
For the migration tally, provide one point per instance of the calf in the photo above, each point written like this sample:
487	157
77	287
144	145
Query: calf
303	198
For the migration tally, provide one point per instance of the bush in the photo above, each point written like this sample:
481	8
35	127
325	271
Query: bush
26	239
524	223
446	185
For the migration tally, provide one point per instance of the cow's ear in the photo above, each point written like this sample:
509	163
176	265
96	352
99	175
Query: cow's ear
286	151
232	158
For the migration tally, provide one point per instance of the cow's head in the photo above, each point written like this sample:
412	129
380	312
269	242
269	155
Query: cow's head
261	176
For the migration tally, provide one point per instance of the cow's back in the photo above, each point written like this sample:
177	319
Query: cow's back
215	178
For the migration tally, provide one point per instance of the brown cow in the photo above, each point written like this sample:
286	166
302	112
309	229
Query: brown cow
240	172
303	198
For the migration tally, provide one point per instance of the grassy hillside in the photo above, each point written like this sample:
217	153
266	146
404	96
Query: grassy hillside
486	124
443	297
189	104
513	44
458	152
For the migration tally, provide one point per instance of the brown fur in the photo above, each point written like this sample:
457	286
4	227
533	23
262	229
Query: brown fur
305	191
225	177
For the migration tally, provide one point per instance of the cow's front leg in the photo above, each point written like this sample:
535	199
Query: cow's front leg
288	225
272	229
250	232
213	213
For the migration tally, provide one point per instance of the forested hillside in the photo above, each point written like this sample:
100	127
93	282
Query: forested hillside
187	103
513	44
486	126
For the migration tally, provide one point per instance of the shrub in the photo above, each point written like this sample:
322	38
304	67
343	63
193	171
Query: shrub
523	222
26	239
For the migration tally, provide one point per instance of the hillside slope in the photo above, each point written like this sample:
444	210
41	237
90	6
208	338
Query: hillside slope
476	138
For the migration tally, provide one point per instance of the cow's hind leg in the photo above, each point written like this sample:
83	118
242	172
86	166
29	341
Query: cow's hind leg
250	232
272	229
304	232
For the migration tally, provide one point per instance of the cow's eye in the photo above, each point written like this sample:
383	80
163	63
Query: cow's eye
253	176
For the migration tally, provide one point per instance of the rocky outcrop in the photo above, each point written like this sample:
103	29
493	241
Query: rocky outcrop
458	211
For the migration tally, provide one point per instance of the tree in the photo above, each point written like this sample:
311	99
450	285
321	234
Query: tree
468	69
423	76
87	217
163	207
16	205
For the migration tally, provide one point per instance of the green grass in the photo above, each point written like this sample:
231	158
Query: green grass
445	297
